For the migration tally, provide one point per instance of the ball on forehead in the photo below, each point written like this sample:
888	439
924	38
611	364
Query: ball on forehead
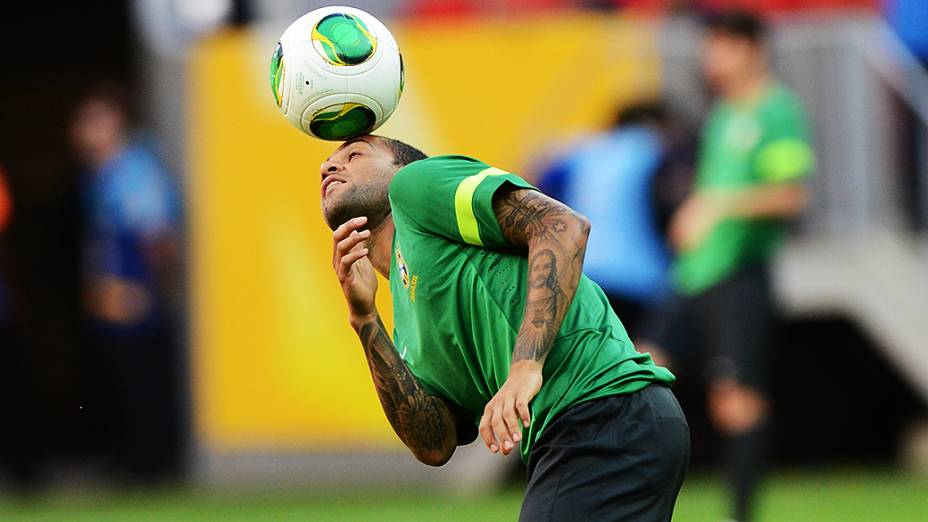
337	73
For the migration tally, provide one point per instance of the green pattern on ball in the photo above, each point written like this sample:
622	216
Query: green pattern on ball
343	39
402	75
343	121
277	73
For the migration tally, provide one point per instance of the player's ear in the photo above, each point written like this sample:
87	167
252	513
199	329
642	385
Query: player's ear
394	168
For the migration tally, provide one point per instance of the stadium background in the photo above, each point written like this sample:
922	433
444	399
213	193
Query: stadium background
282	419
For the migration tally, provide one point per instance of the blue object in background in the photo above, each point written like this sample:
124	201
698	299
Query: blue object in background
608	179
910	20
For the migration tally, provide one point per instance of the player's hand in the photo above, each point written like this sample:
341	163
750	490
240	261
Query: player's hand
118	300
694	221
354	269
507	412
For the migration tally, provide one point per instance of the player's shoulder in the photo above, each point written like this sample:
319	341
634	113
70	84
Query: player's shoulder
783	103
433	172
439	165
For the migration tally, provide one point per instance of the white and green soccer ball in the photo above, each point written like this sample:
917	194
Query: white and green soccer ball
337	73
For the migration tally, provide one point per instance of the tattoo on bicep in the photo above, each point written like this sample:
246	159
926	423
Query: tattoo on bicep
421	420
526	214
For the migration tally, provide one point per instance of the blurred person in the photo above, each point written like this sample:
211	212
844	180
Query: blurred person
754	157
612	178
131	261
495	322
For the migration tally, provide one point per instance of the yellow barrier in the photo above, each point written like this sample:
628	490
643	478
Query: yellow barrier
275	364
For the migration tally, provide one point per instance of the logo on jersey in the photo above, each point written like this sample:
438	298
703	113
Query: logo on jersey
401	268
412	287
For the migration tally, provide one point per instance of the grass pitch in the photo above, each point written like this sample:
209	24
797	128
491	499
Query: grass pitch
789	497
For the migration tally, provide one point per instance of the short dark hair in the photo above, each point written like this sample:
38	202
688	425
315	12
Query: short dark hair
403	153
645	112
737	24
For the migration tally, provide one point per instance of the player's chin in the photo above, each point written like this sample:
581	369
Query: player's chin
328	216
335	214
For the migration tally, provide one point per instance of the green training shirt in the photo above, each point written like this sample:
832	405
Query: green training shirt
745	146
459	291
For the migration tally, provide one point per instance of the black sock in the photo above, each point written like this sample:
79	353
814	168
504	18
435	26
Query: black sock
745	460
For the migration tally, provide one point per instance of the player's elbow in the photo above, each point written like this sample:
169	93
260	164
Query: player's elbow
583	223
579	229
435	458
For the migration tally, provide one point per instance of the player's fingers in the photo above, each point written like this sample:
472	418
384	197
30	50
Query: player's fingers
512	420
486	433
348	261
345	265
351	243
524	414
499	429
342	232
347	227
346	245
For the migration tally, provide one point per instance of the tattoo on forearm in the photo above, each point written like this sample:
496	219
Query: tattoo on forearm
556	239
422	421
541	310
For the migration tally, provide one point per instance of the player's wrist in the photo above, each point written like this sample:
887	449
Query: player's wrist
358	320
525	366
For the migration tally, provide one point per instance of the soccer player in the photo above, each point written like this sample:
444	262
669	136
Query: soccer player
754	157
498	332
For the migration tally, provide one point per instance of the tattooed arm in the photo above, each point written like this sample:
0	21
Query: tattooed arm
555	238
425	423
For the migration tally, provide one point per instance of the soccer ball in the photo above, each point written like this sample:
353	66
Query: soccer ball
337	73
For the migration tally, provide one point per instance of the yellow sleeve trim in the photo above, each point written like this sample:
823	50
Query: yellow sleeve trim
785	159
464	205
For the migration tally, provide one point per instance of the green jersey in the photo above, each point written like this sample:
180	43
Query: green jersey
459	291
745	146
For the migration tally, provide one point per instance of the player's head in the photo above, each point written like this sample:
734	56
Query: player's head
355	178
734	49
100	123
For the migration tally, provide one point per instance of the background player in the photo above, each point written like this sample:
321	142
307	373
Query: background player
131	273
754	156
494	321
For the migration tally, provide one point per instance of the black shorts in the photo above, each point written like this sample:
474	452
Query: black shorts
726	330
621	457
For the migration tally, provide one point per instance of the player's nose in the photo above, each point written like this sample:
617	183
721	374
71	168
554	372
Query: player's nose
330	167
